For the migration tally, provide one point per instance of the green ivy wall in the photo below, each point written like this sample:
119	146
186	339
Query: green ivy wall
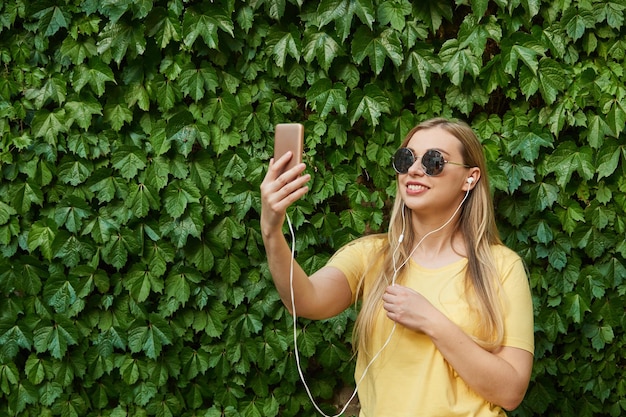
134	137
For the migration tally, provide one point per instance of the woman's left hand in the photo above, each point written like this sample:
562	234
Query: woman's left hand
407	307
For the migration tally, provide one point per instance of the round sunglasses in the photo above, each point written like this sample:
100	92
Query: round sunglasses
432	161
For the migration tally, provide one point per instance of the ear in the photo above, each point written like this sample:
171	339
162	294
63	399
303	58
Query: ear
472	179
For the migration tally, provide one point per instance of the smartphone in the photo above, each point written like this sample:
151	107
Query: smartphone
289	137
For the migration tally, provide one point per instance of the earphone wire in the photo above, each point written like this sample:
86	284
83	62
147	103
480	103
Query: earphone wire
295	329
393	282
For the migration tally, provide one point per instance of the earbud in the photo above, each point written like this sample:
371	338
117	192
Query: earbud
470	180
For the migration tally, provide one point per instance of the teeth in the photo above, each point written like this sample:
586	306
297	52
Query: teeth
416	187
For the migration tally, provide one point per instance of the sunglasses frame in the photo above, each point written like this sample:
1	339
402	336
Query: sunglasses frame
427	171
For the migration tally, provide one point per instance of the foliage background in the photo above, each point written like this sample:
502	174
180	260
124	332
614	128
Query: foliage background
134	137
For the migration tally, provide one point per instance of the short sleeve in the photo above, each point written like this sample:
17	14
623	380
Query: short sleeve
517	302
356	258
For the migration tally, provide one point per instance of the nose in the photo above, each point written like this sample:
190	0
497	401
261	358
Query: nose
417	168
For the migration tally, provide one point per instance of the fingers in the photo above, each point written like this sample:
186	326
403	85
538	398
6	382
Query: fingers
280	190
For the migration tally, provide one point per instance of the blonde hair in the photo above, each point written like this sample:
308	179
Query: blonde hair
478	227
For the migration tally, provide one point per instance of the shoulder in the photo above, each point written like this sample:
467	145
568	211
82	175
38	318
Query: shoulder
508	263
366	244
361	249
505	253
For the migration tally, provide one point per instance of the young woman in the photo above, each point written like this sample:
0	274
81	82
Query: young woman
445	326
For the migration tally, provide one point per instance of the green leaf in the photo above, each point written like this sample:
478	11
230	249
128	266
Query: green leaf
117	114
597	130
25	195
339	11
326	98
614	12
41	235
197	24
569	158
52	19
55	337
420	64
458	61
96	73
169	93
553	324
158	255
433	13
101	227
74	172
179	284
394	13
528	143
593	242
48	125
571	216
129	160
519	52
229	267
141	282
190	223
9	376
243	199
370	104
211	320
320	46
119	40
82	113
285	44
576	306
195	81
115	251
78	50
24	393
178	194
141	199
12	339
60	293
576	21
35	370
543	195
71	249
465	100
149	337
223	110
164	26
377	48
194	362
52	90
552	79
615	110
70	213
517	173
200	255
309	338
599	335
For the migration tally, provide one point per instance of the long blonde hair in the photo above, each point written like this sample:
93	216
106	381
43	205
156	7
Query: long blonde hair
478	227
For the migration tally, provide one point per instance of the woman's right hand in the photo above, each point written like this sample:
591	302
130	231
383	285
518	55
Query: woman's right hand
279	191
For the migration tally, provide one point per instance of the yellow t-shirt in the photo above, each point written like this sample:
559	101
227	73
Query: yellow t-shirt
410	377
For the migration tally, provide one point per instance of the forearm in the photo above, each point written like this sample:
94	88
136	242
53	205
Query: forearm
499	378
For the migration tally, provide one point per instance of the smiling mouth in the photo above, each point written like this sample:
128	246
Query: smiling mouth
416	187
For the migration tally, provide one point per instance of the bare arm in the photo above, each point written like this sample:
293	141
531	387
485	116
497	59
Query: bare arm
326	293
501	377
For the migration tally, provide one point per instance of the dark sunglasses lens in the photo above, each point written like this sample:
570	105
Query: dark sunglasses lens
402	160
433	162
